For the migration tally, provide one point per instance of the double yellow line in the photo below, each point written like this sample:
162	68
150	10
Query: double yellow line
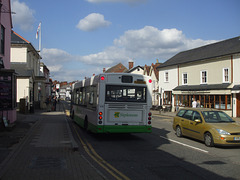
98	159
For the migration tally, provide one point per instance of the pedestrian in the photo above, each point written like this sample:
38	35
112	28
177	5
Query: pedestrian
48	103
55	103
177	107
198	104
194	103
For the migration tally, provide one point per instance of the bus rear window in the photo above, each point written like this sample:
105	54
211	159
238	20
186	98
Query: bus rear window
125	93
127	79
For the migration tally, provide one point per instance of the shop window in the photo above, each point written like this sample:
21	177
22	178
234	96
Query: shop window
217	104
222	102
167	97
181	100
202	101
211	102
229	102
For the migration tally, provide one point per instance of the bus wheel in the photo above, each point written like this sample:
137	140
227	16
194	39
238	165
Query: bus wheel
85	124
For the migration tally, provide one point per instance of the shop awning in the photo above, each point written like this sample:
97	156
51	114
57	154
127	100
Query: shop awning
236	89
203	87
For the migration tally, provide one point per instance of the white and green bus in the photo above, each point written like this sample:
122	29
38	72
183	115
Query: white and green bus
113	103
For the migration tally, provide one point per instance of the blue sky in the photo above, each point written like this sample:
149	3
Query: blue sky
81	37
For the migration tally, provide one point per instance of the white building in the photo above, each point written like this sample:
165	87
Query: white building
209	74
26	62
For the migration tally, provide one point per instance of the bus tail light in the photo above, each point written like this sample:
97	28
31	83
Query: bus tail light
100	117
149	118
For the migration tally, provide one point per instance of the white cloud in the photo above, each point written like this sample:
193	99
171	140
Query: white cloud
125	1
92	22
143	45
53	56
24	15
55	68
107	57
150	42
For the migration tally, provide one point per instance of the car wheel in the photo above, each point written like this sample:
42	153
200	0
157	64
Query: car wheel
208	139
179	131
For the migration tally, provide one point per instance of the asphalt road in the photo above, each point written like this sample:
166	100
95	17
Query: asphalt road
157	155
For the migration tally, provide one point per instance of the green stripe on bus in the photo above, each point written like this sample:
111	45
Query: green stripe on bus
127	129
79	121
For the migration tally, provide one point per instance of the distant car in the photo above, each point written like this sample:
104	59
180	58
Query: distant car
211	126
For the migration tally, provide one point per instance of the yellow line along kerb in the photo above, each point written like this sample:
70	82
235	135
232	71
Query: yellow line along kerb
92	153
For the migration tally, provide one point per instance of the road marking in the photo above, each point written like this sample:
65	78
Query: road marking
92	153
185	144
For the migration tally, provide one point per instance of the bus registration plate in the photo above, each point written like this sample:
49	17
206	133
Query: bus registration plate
125	116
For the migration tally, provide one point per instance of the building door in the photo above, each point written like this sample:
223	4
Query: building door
238	104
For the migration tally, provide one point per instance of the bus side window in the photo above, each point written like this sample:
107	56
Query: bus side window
77	97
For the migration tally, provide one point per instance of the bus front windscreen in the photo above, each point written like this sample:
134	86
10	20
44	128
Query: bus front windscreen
116	93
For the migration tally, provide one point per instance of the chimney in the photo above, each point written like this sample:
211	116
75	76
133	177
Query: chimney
130	64
104	69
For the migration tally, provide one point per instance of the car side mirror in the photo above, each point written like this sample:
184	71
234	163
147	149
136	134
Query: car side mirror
197	120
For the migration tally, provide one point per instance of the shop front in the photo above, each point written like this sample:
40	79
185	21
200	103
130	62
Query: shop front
7	96
216	96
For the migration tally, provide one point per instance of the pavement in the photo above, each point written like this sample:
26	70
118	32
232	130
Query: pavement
41	146
161	113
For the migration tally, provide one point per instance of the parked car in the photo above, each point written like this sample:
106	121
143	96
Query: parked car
214	127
